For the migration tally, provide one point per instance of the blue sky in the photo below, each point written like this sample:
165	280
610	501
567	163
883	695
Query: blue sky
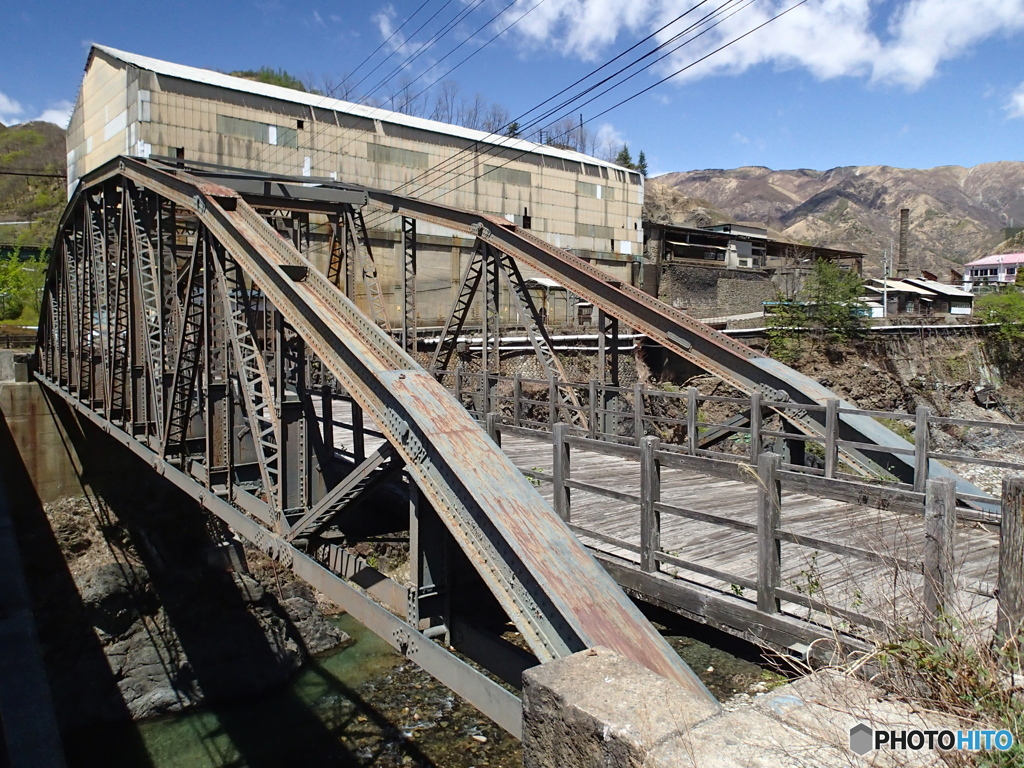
909	83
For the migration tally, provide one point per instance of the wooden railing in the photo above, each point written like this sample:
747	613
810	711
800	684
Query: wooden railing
936	505
625	415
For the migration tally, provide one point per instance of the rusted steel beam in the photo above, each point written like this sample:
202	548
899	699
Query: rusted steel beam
548	584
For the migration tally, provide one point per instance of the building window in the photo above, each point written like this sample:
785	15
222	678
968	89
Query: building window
595	230
265	133
409	158
504	175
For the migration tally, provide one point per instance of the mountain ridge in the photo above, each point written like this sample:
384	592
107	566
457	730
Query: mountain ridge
957	213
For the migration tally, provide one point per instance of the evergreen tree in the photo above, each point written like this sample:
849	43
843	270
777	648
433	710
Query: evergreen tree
641	164
513	130
624	158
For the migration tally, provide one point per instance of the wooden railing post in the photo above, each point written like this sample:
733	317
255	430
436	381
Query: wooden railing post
561	470
755	426
517	401
638	412
650	494
939	530
592	409
769	547
831	436
552	400
1011	560
493	427
921	448
691	419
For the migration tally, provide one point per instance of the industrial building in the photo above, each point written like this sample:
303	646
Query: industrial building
143	107
726	272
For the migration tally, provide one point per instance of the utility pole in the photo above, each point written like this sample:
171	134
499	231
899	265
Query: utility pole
885	279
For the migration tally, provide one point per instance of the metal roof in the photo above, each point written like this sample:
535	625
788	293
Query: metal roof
996	259
896	285
940	288
220	80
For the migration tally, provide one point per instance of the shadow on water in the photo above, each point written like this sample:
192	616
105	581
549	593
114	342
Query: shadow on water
243	724
79	676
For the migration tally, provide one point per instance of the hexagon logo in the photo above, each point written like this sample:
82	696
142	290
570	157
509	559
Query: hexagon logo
862	738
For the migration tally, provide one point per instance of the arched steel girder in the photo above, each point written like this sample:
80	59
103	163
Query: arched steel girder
211	276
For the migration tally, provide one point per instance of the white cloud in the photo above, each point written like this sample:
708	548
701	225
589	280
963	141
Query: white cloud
385	21
608	140
9	110
58	114
1015	104
902	42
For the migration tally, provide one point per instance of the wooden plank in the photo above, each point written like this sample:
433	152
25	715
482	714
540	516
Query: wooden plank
602	537
706	517
689	565
854	493
630	498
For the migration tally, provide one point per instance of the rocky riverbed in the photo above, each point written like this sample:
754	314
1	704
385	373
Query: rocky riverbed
175	626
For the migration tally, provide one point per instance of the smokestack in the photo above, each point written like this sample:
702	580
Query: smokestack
902	266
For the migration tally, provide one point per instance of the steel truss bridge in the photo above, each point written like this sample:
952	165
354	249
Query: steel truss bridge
182	316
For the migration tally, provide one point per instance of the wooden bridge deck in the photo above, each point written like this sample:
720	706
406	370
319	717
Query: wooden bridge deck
890	593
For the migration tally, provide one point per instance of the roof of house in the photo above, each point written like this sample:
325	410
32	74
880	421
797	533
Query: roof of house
996	259
220	80
940	288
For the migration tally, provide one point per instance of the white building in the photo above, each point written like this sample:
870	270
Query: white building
1000	269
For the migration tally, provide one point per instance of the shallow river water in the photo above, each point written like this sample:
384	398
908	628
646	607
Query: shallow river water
360	706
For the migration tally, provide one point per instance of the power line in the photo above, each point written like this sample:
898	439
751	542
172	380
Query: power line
437	36
374	53
540	118
473	147
424	47
418	30
655	85
495	37
440	34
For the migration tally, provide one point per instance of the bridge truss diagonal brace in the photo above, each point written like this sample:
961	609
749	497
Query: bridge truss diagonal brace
259	402
539	338
376	469
186	363
355	225
147	273
456	320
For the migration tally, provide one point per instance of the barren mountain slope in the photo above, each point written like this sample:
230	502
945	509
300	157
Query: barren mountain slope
956	214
